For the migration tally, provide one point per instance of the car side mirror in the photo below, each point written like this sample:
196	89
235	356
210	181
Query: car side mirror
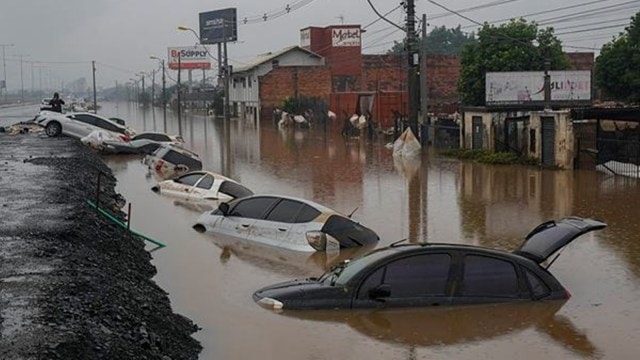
224	208
380	291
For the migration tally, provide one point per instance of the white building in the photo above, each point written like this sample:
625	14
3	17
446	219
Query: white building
244	88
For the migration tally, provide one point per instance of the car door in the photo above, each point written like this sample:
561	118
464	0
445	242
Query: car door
73	126
203	189
85	124
182	186
241	217
274	228
415	280
486	278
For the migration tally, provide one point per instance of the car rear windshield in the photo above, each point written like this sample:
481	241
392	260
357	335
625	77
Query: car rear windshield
348	232
177	158
234	190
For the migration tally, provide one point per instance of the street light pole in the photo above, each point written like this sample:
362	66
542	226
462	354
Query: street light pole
21	56
164	91
4	67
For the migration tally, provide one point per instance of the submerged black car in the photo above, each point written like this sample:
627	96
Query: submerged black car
433	274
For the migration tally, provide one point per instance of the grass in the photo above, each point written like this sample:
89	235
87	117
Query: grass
486	157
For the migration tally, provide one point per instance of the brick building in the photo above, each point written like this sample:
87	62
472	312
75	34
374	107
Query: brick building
329	65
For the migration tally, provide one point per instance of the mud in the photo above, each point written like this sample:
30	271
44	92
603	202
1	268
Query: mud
72	284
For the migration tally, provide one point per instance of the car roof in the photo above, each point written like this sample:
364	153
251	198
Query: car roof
170	146
397	248
204	172
96	115
319	207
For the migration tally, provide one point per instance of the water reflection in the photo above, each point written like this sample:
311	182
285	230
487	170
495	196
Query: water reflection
459	325
282	261
434	199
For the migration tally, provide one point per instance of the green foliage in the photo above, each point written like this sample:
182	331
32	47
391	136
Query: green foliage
440	41
514	46
618	66
486	157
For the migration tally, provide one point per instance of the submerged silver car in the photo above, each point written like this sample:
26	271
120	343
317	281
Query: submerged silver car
286	222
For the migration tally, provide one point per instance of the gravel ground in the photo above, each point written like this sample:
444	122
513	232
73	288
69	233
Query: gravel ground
72	284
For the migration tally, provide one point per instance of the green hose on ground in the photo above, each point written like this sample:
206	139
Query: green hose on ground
124	226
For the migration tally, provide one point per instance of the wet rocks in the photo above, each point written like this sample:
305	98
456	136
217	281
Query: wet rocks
74	285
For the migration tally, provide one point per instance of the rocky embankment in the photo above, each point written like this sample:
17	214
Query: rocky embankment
72	284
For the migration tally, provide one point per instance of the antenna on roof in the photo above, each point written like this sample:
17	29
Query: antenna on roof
341	17
353	212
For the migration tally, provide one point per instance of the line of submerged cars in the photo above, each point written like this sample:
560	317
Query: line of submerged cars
399	275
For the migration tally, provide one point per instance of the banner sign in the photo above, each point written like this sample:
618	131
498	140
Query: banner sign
191	57
345	37
522	87
218	24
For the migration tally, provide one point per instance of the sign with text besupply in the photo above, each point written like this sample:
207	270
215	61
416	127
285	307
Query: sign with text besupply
191	57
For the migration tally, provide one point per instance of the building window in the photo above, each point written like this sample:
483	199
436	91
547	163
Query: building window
250	81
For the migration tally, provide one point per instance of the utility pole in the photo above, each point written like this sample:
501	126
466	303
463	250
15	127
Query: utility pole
21	78
547	84
153	87
95	99
424	106
144	96
227	73
4	67
164	98
179	99
412	75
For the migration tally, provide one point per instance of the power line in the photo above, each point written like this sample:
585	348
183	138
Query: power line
541	12
477	7
274	14
592	29
378	19
591	11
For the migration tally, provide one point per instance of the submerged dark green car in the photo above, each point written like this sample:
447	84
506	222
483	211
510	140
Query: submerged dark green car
430	274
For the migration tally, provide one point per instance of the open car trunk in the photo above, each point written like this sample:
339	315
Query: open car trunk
551	236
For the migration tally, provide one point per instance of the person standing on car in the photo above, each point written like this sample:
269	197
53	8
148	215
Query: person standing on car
56	103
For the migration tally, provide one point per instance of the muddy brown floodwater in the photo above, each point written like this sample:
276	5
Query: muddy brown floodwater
436	199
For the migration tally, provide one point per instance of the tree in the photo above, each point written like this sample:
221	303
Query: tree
618	66
514	46
440	41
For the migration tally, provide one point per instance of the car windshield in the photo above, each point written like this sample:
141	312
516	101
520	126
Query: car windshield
342	273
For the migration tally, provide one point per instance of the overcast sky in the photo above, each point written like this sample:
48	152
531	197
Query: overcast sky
60	38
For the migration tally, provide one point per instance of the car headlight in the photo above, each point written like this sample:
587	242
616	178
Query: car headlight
270	303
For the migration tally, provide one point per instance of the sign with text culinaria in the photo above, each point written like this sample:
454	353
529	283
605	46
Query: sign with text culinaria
526	87
191	57
218	24
345	37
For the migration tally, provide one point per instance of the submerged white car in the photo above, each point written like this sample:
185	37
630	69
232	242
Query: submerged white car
286	222
79	125
202	185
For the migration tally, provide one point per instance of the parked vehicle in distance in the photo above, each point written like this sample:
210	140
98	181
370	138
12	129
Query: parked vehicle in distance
143	143
403	275
169	161
159	137
287	222
44	104
79	125
202	185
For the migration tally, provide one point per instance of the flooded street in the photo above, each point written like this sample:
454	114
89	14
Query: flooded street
210	280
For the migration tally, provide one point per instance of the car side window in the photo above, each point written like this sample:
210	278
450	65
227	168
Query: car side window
85	119
254	208
234	190
538	288
206	182
285	211
413	276
190	179
306	214
488	276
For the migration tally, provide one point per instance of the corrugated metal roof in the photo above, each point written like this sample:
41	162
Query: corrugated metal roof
266	57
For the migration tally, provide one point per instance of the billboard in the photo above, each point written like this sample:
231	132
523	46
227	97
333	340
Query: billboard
527	87
191	57
218	24
3	84
342	37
